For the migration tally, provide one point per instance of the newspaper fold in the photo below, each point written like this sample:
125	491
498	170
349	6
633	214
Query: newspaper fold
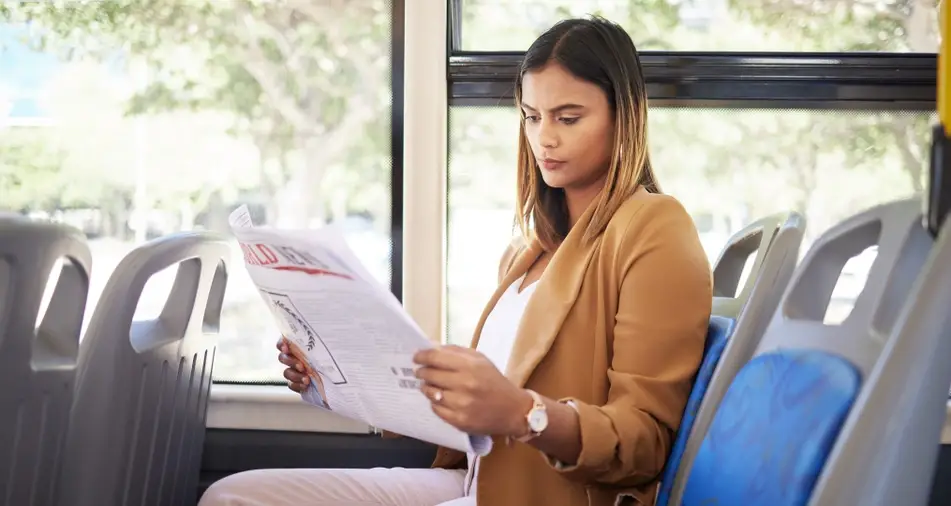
355	337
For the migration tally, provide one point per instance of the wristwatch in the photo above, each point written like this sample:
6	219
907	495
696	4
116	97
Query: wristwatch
537	418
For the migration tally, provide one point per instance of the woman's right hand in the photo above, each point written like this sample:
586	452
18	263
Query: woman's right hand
297	380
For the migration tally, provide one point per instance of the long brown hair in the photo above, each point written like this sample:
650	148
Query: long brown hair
602	53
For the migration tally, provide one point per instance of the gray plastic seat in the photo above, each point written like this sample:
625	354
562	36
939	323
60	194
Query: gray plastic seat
37	363
729	298
888	448
739	315
851	413
138	418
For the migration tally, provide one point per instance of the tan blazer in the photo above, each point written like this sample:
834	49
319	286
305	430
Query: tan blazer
618	326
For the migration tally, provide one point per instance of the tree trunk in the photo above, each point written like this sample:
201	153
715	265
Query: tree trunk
300	202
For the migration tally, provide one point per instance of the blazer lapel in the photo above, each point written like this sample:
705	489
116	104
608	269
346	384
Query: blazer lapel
553	298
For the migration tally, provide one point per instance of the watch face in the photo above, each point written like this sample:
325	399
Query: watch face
537	420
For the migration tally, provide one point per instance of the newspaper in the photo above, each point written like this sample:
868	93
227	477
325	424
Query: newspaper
354	336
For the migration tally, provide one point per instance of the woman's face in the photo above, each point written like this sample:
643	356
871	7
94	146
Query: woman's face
570	127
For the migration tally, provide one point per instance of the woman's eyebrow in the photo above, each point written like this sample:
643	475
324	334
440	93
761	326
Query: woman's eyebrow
556	109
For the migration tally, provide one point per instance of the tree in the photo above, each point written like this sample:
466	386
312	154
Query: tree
30	178
281	104
857	25
305	79
903	135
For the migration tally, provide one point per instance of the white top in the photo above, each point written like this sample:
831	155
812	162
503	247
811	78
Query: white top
496	341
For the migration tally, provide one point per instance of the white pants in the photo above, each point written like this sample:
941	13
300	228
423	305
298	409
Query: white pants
340	487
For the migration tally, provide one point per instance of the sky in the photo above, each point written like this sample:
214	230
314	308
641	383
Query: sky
23	73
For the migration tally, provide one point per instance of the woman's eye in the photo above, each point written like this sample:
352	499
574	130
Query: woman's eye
531	119
569	121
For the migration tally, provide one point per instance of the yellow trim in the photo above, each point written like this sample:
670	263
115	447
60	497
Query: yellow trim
944	70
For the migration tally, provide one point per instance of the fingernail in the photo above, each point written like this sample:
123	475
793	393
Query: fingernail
299	367
306	380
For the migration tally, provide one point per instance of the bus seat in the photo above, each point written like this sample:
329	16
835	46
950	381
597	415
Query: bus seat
888	449
37	362
141	397
729	298
776	240
718	333
783	413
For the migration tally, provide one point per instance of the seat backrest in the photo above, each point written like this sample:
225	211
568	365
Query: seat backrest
718	333
888	448
729	298
730	341
138	416
783	412
37	362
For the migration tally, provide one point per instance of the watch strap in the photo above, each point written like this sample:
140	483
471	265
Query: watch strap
537	404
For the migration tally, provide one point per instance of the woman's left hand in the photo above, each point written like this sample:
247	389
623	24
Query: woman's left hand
468	391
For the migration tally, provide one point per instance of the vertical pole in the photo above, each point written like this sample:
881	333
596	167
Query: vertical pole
425	134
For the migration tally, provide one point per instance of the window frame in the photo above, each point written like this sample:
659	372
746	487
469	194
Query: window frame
397	175
455	17
739	80
725	79
418	222
735	80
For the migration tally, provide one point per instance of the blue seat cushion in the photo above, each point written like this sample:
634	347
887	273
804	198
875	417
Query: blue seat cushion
718	334
772	433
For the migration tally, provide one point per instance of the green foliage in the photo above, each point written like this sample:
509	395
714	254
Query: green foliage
305	82
301	78
830	25
30	175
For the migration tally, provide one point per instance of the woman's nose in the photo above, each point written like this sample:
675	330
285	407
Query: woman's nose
547	135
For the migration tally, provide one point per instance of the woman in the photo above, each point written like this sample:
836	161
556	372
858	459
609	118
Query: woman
581	364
